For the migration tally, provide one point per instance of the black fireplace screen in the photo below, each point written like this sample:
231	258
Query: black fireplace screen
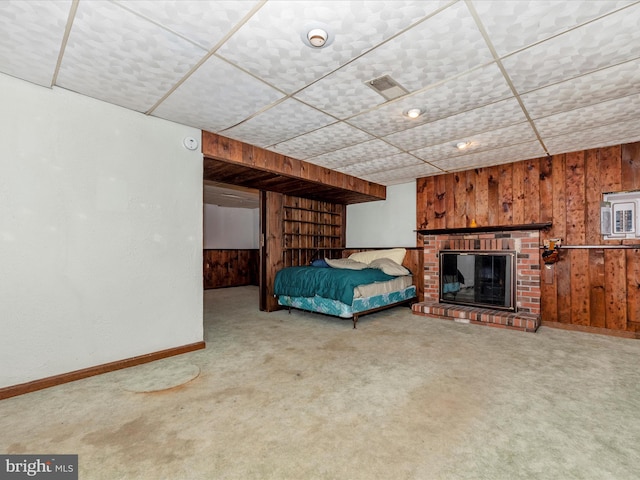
484	279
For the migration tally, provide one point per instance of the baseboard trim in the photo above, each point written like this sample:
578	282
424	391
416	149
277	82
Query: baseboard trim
22	388
587	329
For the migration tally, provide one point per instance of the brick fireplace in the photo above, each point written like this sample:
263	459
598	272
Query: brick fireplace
525	244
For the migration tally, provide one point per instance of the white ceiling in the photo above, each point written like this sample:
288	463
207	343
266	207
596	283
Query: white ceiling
518	79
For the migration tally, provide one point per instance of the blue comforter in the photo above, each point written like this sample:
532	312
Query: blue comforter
334	283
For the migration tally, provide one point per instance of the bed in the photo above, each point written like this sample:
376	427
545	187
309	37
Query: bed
365	282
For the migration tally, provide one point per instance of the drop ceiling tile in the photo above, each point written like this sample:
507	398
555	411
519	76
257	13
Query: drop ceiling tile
402	175
205	23
613	111
414	59
601	136
343	93
216	96
116	56
466	92
270	44
609	83
508	154
490	117
602	43
445	45
355	154
282	122
380	165
512	135
332	137
517	24
31	38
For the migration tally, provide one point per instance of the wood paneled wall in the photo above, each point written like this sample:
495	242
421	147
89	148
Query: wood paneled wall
230	268
589	289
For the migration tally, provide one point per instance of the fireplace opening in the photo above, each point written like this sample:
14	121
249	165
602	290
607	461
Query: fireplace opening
478	278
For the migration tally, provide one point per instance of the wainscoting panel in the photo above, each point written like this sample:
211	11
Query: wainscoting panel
230	268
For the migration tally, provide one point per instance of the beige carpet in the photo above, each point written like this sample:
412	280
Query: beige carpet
302	396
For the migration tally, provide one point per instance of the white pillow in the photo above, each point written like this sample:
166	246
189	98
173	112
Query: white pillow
346	263
389	267
395	254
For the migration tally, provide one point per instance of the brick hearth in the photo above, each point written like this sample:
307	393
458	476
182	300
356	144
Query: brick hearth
524	243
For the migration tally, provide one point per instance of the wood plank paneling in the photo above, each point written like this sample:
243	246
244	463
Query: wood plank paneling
592	196
422	214
590	288
439	203
633	287
630	166
450	200
615	289
505	189
546	189
532	191
579	294
596	292
575	199
470	198
459	183
519	192
493	195
230	268
482	196
273	246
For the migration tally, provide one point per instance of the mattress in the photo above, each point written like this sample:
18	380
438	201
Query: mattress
378	288
339	309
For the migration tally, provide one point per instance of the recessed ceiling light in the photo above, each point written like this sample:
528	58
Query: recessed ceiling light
413	112
463	145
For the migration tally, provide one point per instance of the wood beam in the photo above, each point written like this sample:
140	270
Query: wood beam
237	163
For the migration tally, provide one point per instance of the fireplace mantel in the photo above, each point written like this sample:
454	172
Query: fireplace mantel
486	228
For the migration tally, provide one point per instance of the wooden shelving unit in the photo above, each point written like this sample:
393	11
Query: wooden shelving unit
311	229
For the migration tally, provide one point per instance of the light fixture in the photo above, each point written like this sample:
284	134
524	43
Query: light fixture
463	145
317	37
413	113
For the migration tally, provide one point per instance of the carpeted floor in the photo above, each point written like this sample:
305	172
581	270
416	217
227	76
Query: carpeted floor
302	396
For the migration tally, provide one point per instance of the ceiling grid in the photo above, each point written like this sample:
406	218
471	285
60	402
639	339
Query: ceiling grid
513	79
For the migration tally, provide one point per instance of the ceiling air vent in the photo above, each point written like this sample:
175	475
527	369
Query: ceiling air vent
387	87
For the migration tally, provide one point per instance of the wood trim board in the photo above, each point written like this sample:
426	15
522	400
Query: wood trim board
28	387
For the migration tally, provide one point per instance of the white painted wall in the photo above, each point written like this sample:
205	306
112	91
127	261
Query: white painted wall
100	233
385	223
232	228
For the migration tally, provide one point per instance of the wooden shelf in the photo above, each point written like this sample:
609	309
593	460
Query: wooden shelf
291	220
310	228
486	228
289	207
317	235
